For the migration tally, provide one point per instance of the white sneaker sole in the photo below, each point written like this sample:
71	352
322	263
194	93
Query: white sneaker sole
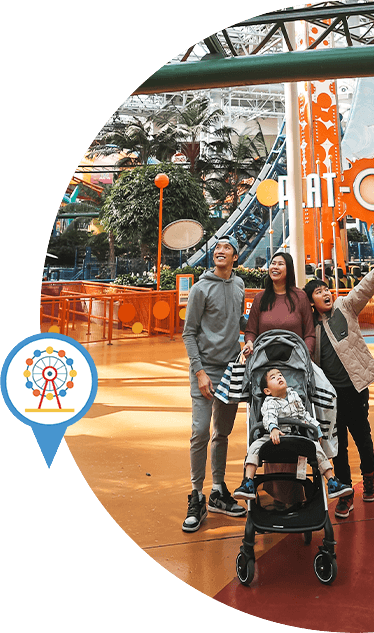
244	495
344	516
341	493
230	514
194	528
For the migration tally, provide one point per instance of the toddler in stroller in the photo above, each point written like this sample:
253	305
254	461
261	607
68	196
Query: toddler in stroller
281	405
289	496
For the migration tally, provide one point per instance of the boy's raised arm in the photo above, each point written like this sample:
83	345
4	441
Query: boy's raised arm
359	296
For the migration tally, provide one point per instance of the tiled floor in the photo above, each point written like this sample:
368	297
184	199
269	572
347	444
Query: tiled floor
133	449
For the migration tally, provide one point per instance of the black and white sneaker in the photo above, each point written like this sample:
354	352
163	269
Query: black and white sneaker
225	503
196	512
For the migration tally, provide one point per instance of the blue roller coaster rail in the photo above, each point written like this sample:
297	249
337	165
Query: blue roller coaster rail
246	222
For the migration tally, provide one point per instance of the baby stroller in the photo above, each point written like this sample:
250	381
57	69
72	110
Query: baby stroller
285	502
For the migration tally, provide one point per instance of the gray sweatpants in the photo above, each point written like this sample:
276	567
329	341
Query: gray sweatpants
223	417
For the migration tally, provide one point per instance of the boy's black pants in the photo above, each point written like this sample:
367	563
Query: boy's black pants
352	416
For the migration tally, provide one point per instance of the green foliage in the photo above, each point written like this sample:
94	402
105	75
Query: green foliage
168	277
252	277
353	235
129	279
132	208
65	244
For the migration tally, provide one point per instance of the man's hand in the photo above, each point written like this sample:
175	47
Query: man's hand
205	384
275	435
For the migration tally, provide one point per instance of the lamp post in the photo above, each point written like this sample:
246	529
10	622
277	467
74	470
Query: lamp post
161	181
267	195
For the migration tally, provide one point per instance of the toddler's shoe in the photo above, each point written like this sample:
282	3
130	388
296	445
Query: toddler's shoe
336	489
246	490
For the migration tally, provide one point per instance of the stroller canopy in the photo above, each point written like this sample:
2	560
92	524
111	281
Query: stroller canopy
286	351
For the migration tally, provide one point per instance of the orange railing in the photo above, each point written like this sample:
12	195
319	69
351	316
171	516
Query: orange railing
91	312
88	312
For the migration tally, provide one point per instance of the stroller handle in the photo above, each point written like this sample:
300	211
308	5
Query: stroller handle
310	429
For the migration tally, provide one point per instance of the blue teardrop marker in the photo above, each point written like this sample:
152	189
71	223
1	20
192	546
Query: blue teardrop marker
49	438
49	388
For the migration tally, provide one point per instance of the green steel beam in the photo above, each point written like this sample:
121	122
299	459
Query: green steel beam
311	13
332	63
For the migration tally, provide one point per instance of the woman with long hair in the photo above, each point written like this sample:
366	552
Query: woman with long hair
280	306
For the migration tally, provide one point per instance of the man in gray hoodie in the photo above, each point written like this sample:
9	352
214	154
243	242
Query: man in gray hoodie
211	336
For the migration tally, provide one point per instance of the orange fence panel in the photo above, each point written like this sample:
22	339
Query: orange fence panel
90	311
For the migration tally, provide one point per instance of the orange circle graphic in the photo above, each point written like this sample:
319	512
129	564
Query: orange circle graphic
161	310
137	328
126	312
324	100
267	192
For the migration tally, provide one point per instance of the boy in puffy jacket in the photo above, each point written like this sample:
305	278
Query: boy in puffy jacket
343	355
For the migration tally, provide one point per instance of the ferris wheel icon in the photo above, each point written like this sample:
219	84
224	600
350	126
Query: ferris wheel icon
50	375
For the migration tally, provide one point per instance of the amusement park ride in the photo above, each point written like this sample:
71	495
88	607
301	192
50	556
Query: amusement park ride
337	169
336	180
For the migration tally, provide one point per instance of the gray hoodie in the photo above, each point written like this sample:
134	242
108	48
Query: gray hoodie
213	320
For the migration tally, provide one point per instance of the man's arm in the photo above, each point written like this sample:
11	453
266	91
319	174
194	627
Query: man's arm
194	312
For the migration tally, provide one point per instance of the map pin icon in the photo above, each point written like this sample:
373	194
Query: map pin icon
49	438
49	382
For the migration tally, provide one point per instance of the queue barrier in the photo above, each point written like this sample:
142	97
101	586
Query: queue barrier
93	311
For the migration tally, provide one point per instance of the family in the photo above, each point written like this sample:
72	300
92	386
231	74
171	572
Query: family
331	331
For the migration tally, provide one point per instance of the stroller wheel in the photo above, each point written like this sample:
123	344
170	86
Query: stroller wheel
325	568
245	569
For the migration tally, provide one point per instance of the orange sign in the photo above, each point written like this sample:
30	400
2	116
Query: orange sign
357	190
320	155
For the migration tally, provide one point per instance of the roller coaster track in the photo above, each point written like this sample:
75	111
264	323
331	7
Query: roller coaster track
247	223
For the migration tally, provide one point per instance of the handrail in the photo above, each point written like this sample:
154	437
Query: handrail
78	311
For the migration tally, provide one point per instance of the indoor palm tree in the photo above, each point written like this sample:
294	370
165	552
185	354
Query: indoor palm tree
234	160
